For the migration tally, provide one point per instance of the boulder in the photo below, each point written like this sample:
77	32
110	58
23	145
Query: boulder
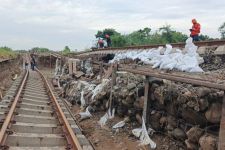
193	117
154	121
203	104
190	145
203	91
194	134
208	142
131	86
163	122
171	123
138	118
213	114
179	134
139	104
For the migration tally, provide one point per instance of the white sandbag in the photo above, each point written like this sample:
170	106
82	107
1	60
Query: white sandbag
99	87
142	134
82	100
119	124
172	59
85	115
108	115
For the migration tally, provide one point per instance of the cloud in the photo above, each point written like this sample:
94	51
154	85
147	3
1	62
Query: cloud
56	23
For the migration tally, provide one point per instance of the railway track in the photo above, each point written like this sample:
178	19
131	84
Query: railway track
33	118
104	51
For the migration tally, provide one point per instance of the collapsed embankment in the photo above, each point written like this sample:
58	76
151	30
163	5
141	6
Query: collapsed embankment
9	70
188	114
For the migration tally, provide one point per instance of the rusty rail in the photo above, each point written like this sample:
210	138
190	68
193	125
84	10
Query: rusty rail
200	43
8	118
70	136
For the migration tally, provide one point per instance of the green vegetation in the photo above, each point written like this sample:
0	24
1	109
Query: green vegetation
66	50
222	30
146	36
40	49
6	52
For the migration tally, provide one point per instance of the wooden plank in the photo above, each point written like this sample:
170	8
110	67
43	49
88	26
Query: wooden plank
222	127
101	70
70	62
74	63
114	70
146	111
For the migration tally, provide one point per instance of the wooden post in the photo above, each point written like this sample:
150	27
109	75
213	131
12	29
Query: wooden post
51	62
146	112
113	83
114	69
222	127
101	70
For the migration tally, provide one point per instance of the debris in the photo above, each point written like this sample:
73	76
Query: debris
99	87
120	124
208	142
108	115
213	114
78	74
179	134
85	115
15	77
142	133
194	134
82	100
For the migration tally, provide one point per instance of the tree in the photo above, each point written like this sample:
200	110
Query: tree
66	49
40	49
110	32
166	33
204	37
222	30
118	40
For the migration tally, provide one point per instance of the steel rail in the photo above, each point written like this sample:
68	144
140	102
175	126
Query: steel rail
200	43
12	109
175	78
72	139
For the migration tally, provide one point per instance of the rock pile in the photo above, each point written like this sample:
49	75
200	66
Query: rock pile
182	111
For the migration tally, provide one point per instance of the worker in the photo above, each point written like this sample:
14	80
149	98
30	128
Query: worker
195	30
108	40
100	43
32	62
26	64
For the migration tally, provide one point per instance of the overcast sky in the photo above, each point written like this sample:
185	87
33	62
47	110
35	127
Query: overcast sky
55	23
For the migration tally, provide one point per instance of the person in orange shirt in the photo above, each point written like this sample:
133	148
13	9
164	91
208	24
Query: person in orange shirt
195	30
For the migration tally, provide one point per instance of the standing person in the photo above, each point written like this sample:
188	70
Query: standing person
195	30
100	43
108	40
33	62
26	64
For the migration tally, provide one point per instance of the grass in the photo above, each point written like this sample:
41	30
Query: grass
6	53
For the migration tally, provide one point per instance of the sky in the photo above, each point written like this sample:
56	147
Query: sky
56	23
